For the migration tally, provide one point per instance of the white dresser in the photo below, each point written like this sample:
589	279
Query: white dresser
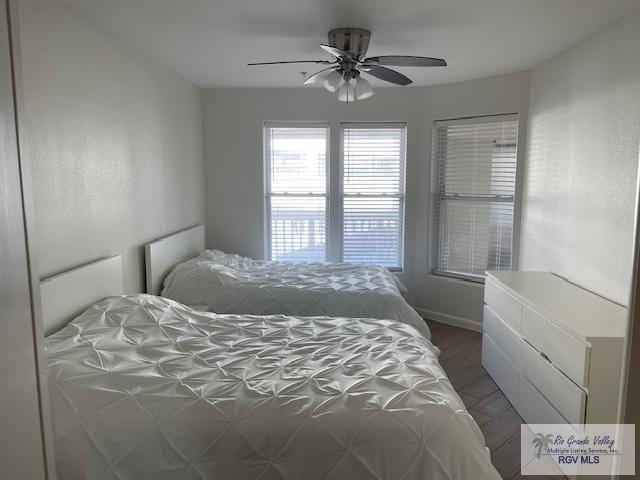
554	349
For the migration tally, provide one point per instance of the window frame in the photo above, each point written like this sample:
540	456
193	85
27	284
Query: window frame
334	212
401	196
436	195
267	194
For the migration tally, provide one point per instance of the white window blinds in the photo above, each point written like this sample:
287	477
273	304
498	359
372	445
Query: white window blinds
476	182
373	185
296	192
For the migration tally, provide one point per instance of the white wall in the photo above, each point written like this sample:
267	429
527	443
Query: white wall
440	298
233	120
582	156
114	140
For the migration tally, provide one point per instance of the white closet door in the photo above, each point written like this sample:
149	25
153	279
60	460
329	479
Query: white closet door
21	438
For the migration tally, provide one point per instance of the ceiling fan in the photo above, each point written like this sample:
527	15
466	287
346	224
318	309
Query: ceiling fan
348	47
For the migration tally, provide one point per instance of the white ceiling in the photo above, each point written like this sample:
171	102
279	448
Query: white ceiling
209	42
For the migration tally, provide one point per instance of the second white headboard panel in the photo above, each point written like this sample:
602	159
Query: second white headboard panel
164	254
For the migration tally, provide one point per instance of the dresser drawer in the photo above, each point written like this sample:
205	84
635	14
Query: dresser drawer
567	353
500	368
562	393
507	340
533	407
505	305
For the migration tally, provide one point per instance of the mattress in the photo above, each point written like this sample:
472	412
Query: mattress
142	387
233	284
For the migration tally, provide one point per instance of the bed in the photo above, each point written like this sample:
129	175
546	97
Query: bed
178	268
142	387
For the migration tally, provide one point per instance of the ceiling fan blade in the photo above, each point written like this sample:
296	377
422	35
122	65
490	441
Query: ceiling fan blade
387	75
405	61
336	52
323	62
318	76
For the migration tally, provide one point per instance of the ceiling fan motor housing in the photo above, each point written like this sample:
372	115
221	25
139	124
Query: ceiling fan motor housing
352	40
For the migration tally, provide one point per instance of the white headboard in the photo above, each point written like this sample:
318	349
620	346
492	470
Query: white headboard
66	295
164	254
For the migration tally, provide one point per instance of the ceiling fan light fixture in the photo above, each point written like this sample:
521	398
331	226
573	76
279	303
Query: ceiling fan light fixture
347	93
363	89
333	81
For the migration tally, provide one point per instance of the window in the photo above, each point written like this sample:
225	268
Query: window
296	164
475	187
366	193
373	166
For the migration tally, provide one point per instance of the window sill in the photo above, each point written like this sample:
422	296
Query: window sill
459	277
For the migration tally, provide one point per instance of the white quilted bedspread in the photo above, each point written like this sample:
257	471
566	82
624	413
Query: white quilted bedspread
229	283
145	388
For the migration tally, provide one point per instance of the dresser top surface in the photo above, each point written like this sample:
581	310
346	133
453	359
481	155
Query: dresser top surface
581	313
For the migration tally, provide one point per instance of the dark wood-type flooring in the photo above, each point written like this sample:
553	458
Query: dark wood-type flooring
500	423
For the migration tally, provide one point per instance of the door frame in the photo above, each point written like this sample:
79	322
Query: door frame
12	42
629	406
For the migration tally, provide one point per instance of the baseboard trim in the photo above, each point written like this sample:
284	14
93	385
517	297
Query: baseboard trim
447	319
